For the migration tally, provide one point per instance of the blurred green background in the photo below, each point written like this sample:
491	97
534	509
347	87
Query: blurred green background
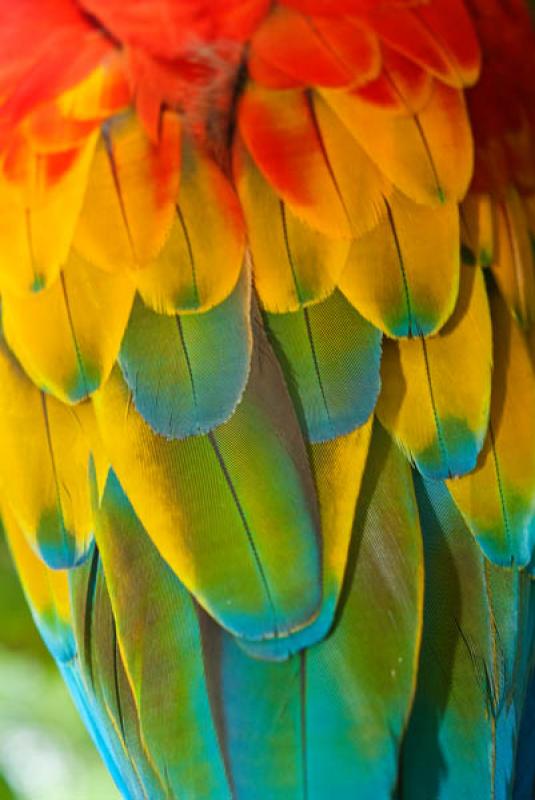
45	752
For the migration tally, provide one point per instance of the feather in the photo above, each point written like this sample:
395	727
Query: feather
312	52
280	133
104	678
46	590
524	787
311	726
433	48
463	729
47	593
130	199
497	500
331	357
440	430
358	685
293	264
200	262
513	266
406	32
244	489
258	708
338	467
449	23
40	202
157	628
428	156
477	225
361	185
187	373
67	337
43	468
405	87
403	275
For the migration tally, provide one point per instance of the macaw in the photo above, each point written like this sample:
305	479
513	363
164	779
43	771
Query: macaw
267	387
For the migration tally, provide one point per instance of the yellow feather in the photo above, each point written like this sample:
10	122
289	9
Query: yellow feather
403	276
361	185
67	337
43	467
513	266
436	392
243	489
85	413
338	467
429	155
47	590
280	132
130	200
478	227
498	498
201	260
293	264
37	223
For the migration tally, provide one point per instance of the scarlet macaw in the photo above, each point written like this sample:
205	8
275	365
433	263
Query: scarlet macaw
267	388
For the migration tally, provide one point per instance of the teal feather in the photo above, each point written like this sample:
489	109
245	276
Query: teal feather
524	788
259	708
331	357
99	730
463	731
187	372
359	684
104	677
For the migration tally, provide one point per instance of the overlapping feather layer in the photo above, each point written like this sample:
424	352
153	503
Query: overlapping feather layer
267	389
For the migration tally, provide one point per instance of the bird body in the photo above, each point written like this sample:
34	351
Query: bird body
267	387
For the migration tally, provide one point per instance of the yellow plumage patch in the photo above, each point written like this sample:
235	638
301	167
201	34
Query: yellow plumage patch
427	155
477	227
440	429
67	337
131	193
38	216
201	260
513	266
44	463
293	264
498	498
47	590
403	275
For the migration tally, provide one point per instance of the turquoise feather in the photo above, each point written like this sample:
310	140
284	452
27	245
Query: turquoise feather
525	756
359	684
98	728
187	372
104	677
331	357
472	673
259	708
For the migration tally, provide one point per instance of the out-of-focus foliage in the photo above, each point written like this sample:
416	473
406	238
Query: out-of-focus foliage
45	753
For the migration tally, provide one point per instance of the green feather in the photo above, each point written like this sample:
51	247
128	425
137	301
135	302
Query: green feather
158	633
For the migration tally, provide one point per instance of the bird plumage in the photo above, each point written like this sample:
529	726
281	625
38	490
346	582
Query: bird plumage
267	387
